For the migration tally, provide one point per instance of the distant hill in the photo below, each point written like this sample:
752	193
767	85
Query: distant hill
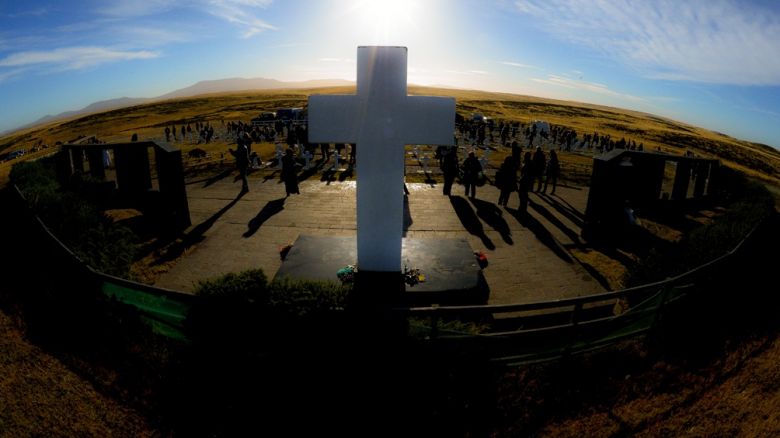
103	105
228	99
202	87
242	84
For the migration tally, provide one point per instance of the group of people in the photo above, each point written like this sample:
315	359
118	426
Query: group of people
204	131
533	169
243	155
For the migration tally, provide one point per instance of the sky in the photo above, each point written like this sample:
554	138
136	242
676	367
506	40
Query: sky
710	63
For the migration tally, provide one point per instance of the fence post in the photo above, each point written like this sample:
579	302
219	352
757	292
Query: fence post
434	326
576	316
655	332
659	310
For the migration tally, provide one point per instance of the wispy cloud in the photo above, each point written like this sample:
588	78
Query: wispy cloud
149	36
717	41
239	12
12	73
73	58
592	87
468	72
36	12
135	8
343	60
519	65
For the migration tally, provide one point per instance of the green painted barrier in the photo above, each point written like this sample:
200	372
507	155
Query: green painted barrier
163	313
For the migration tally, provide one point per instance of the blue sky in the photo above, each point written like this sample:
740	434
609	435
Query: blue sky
712	63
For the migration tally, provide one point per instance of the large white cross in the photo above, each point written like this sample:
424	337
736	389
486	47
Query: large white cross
381	118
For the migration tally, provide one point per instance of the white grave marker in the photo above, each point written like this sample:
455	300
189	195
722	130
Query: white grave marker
336	158
279	155
381	118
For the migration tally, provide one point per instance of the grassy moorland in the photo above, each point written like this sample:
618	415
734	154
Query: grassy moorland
728	388
149	120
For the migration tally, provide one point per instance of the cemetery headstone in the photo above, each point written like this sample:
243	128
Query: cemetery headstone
336	158
279	155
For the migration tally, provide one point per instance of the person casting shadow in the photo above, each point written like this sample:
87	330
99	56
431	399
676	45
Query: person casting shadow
449	168
289	173
471	170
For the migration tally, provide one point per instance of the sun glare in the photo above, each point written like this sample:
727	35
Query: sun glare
390	19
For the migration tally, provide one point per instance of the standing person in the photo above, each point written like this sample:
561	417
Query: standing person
471	170
516	152
340	150
506	180
539	164
289	173
352	153
526	182
553	169
449	167
242	163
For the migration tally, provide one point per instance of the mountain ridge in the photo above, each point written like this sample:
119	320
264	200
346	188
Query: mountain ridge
198	88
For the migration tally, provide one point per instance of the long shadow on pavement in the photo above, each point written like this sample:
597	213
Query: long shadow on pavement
308	173
571	234
407	215
347	173
492	215
271	176
541	233
196	234
573	215
470	220
571	208
269	210
221	175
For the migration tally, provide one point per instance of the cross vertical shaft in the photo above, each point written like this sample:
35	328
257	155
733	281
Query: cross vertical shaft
380	119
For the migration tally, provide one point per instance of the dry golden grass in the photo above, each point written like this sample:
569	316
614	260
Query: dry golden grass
613	271
739	396
45	397
41	397
148	121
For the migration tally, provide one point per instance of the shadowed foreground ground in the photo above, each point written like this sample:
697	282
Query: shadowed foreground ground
39	396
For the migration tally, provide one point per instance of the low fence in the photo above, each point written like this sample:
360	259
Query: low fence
164	310
553	329
540	331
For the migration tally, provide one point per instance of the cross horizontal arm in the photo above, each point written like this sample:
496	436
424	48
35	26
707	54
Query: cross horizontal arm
429	120
333	119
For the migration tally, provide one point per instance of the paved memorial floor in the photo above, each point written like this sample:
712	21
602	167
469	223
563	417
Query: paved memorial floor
527	256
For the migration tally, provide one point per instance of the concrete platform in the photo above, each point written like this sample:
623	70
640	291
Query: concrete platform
528	257
452	274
